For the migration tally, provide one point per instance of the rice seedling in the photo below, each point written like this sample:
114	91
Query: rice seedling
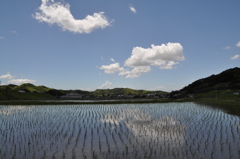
170	130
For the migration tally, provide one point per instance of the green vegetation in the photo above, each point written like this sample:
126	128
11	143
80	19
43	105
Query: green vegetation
221	94
230	106
136	131
222	87
15	95
225	85
228	80
118	92
29	91
27	87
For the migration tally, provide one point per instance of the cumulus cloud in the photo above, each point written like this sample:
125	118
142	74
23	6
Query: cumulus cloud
7	76
105	85
156	55
132	9
163	56
238	44
57	13
135	72
20	81
112	68
235	57
168	65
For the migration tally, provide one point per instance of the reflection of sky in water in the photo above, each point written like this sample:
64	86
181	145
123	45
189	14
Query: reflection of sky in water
171	130
143	124
149	125
7	110
182	127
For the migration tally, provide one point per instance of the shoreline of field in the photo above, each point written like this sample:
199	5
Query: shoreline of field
94	101
229	106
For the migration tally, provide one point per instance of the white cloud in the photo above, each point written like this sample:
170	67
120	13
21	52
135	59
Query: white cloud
57	13
112	59
141	60
235	57
238	44
168	65
1	37
135	72
156	55
105	85
20	81
132	9
112	68
7	76
227	47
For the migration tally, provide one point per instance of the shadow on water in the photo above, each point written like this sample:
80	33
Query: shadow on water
231	107
160	130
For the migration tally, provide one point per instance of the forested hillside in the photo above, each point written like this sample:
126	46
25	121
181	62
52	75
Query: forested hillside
227	80
126	92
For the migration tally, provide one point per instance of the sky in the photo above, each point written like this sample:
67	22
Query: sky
89	44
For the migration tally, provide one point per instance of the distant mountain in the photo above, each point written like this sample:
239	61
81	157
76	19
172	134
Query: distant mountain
27	91
226	80
28	87
30	91
7	87
125	92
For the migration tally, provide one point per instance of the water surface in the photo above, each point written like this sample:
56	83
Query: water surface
165	130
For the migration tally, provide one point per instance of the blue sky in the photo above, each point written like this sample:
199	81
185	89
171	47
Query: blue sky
89	44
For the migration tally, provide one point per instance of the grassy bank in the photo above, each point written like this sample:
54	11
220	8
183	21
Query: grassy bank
230	106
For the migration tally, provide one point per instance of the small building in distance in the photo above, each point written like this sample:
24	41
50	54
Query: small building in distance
73	95
21	91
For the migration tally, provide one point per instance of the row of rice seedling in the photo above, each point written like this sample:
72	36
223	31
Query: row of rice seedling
171	130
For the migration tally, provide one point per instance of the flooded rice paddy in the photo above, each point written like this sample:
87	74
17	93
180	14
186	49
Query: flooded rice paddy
170	130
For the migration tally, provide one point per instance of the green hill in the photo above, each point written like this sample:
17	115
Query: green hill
227	80
7	87
9	92
28	87
30	91
124	92
221	85
15	95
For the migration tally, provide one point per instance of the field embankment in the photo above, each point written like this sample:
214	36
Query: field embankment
230	106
